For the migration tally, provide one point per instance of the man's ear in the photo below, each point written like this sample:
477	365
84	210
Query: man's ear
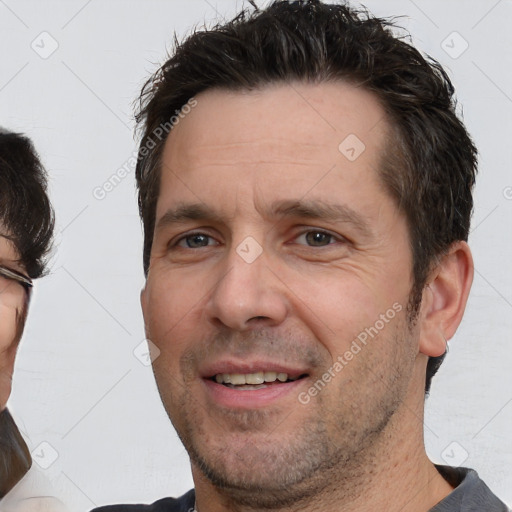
444	299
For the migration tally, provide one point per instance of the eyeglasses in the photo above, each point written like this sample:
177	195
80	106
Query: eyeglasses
17	277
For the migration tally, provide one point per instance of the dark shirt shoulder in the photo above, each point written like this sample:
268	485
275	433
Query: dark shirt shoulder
470	493
183	504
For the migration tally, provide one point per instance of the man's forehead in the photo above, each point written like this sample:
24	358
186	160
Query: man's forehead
275	144
299	117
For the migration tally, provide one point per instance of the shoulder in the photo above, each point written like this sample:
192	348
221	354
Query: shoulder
470	494
33	493
183	504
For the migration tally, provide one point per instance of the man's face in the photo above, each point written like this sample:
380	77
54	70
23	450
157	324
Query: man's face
260	287
12	305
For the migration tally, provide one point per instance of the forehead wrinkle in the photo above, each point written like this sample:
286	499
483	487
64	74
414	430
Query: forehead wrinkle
266	150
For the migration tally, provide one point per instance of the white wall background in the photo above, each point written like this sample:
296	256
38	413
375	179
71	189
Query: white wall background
78	385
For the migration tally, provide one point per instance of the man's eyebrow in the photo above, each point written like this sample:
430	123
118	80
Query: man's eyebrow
290	208
321	210
187	212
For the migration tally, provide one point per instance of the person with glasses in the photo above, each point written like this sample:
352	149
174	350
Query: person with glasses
15	289
26	230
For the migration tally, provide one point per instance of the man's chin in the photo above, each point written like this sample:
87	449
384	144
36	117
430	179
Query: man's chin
259	471
265	483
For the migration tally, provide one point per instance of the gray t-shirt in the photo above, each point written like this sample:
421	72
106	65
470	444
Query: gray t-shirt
470	493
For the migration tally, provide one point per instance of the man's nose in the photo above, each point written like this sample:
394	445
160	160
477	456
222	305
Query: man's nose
249	294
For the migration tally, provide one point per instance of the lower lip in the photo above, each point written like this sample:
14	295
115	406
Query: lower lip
251	398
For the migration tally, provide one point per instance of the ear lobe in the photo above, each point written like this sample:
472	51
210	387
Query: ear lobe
444	299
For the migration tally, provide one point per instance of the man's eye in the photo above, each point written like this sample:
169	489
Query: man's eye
316	238
193	241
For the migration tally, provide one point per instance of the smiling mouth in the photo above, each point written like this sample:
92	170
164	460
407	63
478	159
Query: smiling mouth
252	381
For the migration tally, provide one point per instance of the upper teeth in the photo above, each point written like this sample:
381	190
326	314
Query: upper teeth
238	379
